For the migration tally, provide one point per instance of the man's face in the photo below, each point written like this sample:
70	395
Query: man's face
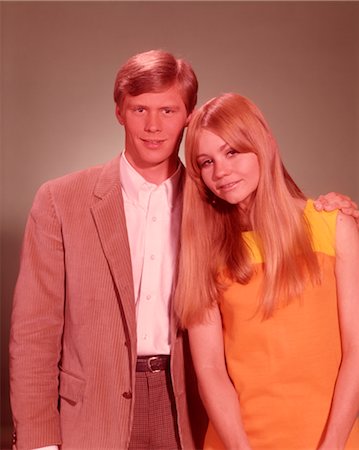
154	124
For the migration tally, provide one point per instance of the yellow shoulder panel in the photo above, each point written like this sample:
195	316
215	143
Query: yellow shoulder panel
323	226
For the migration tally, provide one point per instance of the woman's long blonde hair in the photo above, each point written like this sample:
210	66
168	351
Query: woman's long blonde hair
211	237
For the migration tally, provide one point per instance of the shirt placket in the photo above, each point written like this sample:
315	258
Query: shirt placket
150	287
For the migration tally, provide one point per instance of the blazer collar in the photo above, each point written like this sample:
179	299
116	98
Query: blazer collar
109	179
109	216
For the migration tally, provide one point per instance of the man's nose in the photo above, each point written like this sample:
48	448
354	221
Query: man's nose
153	123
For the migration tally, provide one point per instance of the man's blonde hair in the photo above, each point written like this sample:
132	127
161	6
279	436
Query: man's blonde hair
155	71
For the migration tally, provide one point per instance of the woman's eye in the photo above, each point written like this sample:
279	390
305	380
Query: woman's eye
231	152
205	163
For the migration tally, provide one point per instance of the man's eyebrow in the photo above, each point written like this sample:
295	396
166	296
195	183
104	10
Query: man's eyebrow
137	105
165	106
170	106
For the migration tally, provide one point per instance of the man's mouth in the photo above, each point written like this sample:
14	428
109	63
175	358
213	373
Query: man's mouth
153	143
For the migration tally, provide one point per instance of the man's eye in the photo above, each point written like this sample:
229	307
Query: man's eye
139	109
167	111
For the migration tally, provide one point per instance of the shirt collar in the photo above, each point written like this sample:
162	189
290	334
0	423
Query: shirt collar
133	183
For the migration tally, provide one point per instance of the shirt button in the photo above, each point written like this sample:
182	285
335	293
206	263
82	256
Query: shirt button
127	395
144	337
148	297
152	257
154	219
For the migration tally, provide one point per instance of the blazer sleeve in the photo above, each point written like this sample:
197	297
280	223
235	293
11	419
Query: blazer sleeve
36	328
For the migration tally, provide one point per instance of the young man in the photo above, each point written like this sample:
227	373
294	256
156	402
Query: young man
96	360
91	330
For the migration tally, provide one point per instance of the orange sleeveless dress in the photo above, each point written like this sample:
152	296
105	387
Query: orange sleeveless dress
284	369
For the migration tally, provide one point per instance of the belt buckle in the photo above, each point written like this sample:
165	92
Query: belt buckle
152	358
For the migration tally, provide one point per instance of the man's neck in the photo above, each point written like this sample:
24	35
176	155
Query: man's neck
158	173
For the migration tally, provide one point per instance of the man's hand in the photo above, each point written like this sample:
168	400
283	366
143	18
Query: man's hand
333	200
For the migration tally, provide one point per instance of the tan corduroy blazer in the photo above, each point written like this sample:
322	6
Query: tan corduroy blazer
73	333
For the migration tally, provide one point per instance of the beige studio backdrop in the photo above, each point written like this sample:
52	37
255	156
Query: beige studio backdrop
297	60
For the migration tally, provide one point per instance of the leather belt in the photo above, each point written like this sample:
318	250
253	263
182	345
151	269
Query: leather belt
153	364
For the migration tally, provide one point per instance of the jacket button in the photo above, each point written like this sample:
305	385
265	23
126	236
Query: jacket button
127	395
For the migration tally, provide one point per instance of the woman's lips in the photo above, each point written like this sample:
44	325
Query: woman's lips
228	186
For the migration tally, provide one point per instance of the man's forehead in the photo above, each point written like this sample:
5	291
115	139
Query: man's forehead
171	95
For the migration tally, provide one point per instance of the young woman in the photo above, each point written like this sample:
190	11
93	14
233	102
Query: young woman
268	289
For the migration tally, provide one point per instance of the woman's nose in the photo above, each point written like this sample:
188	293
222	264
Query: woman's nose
220	170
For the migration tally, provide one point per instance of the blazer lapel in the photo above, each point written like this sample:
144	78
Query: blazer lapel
108	213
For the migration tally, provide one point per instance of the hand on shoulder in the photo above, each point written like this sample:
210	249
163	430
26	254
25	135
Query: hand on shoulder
333	200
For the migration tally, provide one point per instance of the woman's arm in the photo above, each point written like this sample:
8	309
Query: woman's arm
216	389
345	404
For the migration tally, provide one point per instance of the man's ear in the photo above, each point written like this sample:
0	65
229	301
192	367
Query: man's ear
119	115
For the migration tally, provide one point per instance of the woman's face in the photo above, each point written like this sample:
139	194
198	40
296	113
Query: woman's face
230	175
